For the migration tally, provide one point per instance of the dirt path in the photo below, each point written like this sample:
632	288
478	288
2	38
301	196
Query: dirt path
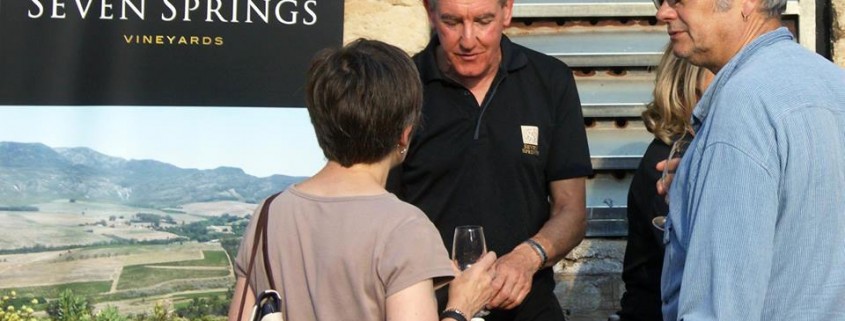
115	278
145	305
186	267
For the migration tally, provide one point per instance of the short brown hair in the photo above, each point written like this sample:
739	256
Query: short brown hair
360	99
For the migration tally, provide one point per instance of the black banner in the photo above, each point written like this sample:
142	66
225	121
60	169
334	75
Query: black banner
162	52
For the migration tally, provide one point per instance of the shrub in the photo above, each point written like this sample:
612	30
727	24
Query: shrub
70	307
9	312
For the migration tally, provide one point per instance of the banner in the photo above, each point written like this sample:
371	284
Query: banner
162	52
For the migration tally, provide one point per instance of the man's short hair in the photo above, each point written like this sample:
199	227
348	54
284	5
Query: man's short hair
432	4
772	8
360	99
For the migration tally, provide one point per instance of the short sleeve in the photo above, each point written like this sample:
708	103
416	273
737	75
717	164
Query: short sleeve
412	253
570	154
244	251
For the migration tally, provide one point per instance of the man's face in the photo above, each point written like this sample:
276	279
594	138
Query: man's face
701	31
469	32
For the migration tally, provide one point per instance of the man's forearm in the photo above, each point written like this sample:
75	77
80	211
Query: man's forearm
561	234
567	222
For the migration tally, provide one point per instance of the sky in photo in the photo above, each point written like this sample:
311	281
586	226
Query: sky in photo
261	141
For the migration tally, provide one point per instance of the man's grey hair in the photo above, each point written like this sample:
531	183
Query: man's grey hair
432	4
772	8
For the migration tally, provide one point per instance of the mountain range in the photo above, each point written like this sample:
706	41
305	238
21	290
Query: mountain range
34	172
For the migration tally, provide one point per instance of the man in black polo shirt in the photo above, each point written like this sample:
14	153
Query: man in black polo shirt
501	144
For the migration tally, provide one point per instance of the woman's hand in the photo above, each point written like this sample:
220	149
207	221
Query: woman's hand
665	181
473	288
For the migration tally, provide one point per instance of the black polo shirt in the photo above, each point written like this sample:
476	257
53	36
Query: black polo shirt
491	165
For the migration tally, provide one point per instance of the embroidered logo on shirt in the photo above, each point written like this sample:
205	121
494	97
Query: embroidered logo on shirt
530	139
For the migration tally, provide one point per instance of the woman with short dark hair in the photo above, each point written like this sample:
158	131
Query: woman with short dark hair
342	246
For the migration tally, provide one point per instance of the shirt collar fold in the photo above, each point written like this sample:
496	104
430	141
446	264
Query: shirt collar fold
702	109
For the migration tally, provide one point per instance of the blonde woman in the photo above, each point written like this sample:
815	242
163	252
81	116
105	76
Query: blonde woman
678	87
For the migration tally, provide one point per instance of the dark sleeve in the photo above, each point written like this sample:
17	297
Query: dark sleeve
394	182
644	204
643	261
569	156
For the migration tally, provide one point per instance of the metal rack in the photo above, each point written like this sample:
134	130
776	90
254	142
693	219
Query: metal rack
612	45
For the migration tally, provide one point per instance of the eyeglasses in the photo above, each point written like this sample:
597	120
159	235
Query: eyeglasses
659	3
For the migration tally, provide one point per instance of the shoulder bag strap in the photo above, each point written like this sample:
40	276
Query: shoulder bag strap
260	228
269	270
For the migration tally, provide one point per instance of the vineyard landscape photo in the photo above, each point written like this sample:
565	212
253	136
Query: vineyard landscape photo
88	236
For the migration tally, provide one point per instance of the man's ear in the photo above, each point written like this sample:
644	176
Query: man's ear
508	12
429	12
749	7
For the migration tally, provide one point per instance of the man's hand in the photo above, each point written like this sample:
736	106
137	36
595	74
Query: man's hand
514	274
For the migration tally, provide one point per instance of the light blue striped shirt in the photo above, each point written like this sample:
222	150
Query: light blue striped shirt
756	229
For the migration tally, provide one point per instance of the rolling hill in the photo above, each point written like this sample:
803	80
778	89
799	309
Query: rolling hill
34	172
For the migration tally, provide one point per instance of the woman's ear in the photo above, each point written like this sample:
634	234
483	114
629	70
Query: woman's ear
405	139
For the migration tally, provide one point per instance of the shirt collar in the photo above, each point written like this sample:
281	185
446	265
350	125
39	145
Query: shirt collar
702	109
512	60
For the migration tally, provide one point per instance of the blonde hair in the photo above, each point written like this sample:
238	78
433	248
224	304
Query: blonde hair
668	115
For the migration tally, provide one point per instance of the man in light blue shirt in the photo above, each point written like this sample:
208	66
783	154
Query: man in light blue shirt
756	229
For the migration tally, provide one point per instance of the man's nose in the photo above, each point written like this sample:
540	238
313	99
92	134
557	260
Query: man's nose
468	40
666	12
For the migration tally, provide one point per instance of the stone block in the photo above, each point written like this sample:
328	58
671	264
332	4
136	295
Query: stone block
589	279
402	23
838	32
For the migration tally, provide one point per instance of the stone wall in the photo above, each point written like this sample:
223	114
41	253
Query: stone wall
402	23
838	32
589	279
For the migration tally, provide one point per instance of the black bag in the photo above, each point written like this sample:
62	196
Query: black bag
268	304
268	307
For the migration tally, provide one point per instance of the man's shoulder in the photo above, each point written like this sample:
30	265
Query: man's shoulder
418	57
784	77
787	62
540	60
547	70
425	62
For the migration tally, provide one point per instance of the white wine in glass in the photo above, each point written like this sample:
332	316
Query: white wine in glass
468	246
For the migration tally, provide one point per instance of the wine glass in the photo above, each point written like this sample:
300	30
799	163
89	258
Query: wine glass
679	147
468	246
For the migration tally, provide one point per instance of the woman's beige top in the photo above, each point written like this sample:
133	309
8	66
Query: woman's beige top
339	258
